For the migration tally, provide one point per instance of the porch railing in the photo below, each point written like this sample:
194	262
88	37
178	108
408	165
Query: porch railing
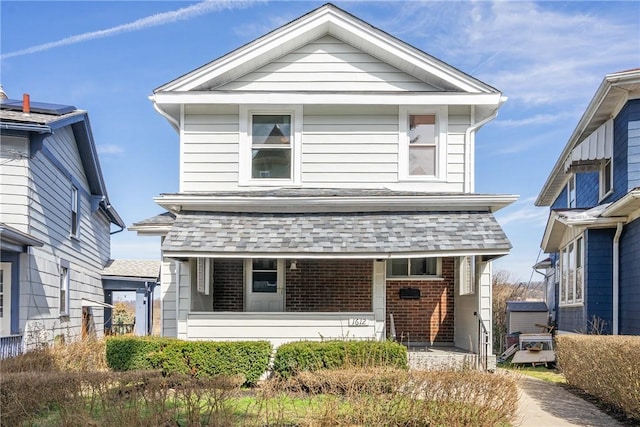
120	329
10	346
483	345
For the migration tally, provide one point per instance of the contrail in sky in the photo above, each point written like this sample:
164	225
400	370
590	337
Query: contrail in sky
139	24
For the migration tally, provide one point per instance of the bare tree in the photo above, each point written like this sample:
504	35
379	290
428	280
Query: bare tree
506	288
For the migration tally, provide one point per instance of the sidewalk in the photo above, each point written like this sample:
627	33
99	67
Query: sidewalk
544	404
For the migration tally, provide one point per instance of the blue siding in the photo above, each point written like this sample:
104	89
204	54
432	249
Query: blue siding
561	200
587	189
630	279
633	152
599	276
622	173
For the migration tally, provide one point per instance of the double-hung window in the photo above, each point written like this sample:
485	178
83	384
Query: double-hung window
422	148
270	141
413	268
75	211
64	296
572	200
606	178
572	272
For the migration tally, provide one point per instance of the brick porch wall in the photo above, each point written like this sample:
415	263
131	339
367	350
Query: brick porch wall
330	286
428	319
228	285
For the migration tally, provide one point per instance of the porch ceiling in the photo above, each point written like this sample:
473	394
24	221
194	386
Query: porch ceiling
335	235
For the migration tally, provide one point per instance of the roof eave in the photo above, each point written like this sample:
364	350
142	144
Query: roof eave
551	187
490	203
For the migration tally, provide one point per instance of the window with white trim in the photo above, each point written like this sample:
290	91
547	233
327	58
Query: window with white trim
606	178
270	145
572	272
414	268
422	148
467	275
75	211
572	199
204	275
64	297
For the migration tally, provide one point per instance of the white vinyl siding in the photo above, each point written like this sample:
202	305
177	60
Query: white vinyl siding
47	198
349	145
209	138
327	64
14	182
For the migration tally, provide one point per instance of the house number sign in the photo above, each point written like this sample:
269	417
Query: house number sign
358	321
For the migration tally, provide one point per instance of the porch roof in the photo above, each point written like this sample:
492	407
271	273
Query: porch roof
335	235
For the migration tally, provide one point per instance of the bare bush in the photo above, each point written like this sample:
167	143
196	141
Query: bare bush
604	366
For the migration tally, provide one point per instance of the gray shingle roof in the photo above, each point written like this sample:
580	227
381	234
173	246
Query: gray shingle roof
316	192
165	218
335	233
527	306
132	268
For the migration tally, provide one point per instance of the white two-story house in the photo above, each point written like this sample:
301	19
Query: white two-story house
327	191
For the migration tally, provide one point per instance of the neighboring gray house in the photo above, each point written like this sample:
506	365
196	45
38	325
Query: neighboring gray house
326	191
55	224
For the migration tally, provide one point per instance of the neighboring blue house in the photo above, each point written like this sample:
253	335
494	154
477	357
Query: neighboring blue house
55	225
593	231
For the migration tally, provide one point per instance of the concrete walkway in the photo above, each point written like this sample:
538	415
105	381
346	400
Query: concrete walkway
544	404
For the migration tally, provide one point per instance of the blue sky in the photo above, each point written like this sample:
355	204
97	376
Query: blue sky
106	57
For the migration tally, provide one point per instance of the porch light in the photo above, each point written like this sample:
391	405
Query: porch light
293	266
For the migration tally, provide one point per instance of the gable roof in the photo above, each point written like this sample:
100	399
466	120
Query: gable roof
443	84
47	119
610	97
327	20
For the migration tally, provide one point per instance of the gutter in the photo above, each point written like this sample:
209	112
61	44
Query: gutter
616	278
26	127
173	122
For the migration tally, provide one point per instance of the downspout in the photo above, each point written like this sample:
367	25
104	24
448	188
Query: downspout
468	188
616	278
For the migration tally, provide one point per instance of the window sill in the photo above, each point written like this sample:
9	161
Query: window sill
601	199
572	305
269	183
417	279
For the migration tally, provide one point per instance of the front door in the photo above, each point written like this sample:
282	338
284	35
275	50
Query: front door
5	298
264	284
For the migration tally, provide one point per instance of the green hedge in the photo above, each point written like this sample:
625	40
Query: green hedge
604	366
195	358
313	355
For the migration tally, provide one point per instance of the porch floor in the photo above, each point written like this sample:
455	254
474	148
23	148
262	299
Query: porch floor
427	357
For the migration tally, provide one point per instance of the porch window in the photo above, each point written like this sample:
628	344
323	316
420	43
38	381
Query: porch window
413	268
271	146
467	275
265	276
572	272
422	151
64	288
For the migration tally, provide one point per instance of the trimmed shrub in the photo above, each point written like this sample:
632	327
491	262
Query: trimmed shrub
603	366
198	359
295	357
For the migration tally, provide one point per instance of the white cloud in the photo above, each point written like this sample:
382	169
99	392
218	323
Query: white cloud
538	119
181	14
524	212
107	149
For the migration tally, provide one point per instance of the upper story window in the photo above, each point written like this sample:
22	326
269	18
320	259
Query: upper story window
571	272
270	145
606	178
571	192
413	268
75	211
423	147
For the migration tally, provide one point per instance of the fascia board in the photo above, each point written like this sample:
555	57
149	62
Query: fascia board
630	201
328	98
352	255
491	203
